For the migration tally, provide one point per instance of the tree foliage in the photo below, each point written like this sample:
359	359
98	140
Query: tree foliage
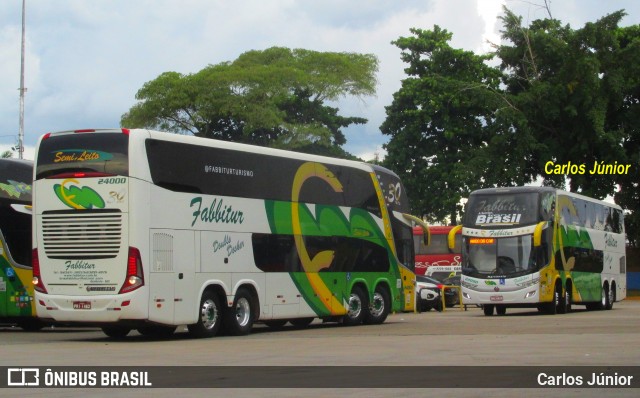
441	123
557	94
276	97
569	85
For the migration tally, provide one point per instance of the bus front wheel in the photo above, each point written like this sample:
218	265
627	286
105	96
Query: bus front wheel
31	324
488	309
158	331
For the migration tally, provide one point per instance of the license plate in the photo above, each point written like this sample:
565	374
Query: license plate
496	298
81	305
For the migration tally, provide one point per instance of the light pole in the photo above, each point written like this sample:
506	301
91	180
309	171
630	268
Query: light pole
22	90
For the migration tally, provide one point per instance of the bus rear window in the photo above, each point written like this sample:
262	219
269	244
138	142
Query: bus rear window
102	153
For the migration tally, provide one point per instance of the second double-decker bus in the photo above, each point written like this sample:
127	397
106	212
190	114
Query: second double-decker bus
16	291
145	230
542	247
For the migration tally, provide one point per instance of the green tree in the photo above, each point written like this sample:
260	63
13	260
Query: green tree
570	86
7	154
558	95
442	122
579	93
276	97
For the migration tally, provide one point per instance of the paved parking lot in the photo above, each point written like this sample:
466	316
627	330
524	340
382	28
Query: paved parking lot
451	338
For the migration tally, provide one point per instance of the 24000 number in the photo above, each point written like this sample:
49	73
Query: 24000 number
112	180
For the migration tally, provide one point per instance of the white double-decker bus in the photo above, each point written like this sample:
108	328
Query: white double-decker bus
138	229
542	247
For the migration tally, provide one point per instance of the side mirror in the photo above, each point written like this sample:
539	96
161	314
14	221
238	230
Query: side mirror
537	233
451	237
426	236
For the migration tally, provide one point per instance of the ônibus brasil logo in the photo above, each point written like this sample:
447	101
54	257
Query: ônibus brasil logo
78	197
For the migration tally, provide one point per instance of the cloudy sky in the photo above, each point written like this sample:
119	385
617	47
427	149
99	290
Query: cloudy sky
85	59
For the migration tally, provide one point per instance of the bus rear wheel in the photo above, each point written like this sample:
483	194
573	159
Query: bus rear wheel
239	318
116	332
378	309
276	324
611	296
356	307
604	300
209	316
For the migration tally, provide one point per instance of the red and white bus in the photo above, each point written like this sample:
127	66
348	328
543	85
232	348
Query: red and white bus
441	257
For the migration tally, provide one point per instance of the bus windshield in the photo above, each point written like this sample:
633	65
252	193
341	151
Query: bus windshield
500	256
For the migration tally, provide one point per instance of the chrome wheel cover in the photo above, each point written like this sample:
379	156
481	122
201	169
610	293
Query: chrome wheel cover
209	314
355	306
377	305
243	311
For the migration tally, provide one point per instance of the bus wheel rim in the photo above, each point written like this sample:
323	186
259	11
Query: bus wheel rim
243	311
209	314
355	306
377	305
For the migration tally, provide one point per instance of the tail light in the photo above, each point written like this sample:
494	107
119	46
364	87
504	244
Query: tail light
135	276
38	284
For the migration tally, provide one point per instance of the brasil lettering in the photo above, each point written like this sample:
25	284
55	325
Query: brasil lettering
599	168
217	212
498	218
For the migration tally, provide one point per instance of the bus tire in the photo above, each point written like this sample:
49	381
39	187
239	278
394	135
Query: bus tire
31	324
488	309
611	296
562	301
116	332
553	306
157	330
356	307
301	322
379	308
604	298
501	310
239	317
276	324
568	298
209	316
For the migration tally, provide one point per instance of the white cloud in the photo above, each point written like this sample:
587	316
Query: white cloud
86	59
